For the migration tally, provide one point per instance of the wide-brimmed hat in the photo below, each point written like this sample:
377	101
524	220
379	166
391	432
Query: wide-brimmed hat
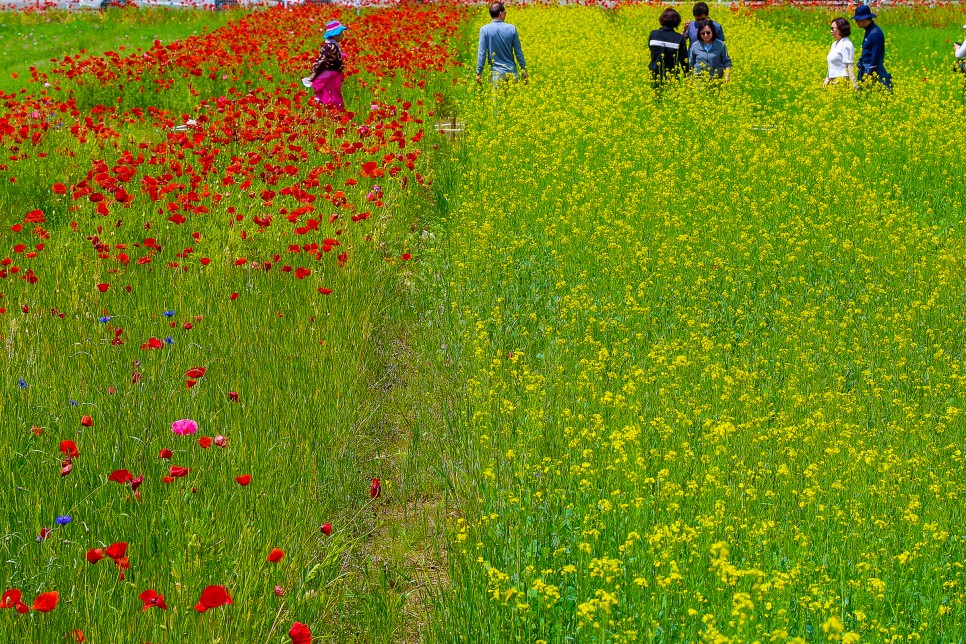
334	28
863	12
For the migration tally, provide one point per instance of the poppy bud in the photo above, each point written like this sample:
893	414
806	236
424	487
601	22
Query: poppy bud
375	490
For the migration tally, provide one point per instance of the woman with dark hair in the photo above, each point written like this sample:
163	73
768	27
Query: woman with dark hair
708	54
669	53
841	57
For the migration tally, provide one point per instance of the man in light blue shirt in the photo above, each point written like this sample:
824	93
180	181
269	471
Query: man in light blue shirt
499	43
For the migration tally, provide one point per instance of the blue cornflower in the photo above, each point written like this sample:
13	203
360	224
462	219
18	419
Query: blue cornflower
168	314
169	340
63	520
22	383
106	318
73	403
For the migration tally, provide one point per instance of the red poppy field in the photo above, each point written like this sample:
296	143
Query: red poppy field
199	281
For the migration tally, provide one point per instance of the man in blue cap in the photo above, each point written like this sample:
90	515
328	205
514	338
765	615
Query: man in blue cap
873	48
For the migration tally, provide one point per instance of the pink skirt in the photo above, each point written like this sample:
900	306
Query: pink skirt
328	89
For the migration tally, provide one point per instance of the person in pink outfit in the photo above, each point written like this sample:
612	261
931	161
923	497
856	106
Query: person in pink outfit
326	78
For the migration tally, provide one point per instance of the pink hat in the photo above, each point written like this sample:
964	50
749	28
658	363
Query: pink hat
334	28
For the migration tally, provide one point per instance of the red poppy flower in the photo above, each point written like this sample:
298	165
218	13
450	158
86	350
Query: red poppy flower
78	635
13	599
204	442
196	372
325	291
103	287
166	453
120	476
233	396
66	467
44	534
46	602
233	296
190	383
136	483
69	449
116	551
87	421
275	555
244	479
302	273
326	529
300	634
153	343
177	472
375	490
152	599
213	597
94	555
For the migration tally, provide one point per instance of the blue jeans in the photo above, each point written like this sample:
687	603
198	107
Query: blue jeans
498	77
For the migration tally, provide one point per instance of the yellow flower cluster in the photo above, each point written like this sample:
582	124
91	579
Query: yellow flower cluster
713	345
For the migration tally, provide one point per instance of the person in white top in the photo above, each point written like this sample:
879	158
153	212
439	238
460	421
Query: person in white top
841	57
959	49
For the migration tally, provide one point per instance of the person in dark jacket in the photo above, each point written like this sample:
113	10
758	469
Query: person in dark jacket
669	51
873	48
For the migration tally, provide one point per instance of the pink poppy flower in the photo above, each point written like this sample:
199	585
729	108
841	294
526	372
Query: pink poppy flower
184	427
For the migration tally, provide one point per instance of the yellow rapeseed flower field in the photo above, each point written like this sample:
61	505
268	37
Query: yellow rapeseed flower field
711	342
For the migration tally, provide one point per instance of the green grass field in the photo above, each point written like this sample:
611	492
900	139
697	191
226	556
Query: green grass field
33	39
629	367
